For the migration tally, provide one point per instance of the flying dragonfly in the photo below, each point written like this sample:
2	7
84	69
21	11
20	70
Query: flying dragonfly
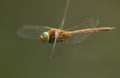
54	35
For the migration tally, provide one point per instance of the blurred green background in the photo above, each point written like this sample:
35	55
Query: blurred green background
96	57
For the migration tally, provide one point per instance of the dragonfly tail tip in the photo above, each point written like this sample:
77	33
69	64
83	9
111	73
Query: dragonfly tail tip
113	27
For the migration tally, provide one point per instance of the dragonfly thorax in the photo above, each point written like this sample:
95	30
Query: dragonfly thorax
61	35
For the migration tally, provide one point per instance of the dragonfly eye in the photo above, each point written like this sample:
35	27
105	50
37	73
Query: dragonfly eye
44	37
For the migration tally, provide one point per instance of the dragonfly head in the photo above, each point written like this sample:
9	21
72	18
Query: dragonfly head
44	37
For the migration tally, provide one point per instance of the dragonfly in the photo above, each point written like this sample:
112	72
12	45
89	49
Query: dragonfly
72	35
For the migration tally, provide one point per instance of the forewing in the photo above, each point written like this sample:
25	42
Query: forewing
80	37
31	32
53	48
64	16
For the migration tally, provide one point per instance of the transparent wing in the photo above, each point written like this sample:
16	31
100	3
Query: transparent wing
64	16
53	48
80	37
31	32
83	25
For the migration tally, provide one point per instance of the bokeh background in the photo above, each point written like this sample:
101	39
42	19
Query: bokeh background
96	57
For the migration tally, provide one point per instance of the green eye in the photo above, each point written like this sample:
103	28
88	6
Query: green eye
45	36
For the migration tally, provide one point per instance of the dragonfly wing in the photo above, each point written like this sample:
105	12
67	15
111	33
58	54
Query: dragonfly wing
64	16
83	25
31	32
80	37
53	48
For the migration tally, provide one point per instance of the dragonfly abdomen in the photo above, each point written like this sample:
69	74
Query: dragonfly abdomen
91	30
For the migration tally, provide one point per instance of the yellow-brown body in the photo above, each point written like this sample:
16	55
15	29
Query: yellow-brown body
62	35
